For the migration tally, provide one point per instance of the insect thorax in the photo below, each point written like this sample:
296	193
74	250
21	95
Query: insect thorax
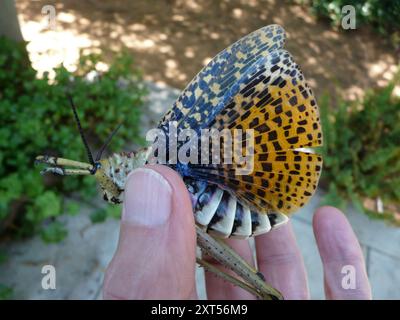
114	171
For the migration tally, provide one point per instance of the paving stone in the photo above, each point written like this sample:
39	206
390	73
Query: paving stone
373	233
384	275
79	260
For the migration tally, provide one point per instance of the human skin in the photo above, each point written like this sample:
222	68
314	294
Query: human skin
155	258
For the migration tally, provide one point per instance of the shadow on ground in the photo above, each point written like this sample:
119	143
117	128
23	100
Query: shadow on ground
173	39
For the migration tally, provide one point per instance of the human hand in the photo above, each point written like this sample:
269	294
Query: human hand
156	253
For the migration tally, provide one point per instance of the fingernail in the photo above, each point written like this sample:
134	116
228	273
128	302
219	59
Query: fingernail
147	198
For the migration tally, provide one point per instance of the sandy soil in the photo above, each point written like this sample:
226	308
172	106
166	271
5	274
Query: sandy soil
171	40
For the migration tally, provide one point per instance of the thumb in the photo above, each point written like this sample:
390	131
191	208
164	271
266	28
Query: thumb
155	258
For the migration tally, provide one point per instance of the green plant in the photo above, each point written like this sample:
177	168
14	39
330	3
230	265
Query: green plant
383	15
35	118
54	232
6	293
362	151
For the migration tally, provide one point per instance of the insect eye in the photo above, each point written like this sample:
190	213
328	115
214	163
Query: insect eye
96	166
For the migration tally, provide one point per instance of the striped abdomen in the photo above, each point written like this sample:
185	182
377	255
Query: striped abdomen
221	214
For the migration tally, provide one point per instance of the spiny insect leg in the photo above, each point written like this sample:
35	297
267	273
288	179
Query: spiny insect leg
225	276
225	255
55	161
65	172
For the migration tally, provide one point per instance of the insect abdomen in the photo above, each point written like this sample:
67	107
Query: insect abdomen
221	214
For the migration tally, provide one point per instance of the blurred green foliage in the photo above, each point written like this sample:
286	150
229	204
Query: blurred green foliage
362	150
382	15
6	293
54	232
35	118
100	215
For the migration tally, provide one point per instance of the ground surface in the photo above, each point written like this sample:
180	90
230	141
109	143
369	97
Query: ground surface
173	39
80	260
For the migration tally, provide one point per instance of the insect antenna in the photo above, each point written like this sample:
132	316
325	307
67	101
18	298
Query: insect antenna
89	153
99	154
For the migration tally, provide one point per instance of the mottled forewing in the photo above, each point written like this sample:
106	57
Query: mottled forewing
213	83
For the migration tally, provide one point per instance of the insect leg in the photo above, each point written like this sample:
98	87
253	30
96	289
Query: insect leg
55	161
225	276
65	172
220	251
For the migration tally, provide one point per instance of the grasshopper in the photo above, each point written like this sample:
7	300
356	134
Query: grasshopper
254	85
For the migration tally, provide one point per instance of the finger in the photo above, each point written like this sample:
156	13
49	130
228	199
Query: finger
280	260
345	275
155	258
219	289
